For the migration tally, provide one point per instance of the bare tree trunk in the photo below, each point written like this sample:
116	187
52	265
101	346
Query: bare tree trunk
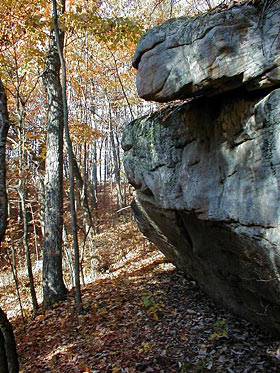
115	159
41	200
27	253
53	286
4	127
9	358
81	184
3	358
71	159
13	265
68	256
34	232
100	157
22	195
105	171
94	177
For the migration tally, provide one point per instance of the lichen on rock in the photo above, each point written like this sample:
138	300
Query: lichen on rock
208	194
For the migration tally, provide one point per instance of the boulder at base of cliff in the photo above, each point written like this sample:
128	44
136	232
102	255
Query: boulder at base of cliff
207	180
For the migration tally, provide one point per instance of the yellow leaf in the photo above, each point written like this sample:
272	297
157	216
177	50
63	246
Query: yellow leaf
85	369
146	347
155	316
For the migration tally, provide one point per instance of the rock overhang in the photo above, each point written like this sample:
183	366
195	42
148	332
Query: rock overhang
210	54
207	180
207	172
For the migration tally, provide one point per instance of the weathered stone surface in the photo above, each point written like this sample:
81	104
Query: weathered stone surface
207	180
211	53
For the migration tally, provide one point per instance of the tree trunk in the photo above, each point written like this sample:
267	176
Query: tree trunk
53	286
4	126
70	157
3	357
26	249
105	172
8	359
22	196
94	177
81	185
9	345
115	159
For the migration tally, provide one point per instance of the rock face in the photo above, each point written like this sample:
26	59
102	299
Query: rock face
207	180
210	54
207	172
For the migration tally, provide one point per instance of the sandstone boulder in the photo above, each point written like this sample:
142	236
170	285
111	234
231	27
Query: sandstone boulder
207	180
211	53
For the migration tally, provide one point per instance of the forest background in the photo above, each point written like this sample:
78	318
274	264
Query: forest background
98	40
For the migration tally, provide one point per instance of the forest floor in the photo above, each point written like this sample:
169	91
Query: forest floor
142	315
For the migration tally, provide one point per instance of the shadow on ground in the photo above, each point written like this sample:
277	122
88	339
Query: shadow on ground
148	320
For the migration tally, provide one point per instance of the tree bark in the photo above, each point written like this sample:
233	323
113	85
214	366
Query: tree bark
53	286
81	184
4	127
70	157
3	357
22	196
9	358
115	158
9	345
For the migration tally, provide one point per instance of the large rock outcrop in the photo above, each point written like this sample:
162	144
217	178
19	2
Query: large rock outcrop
211	53
207	172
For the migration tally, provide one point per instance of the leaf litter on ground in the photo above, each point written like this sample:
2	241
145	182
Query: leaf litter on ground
142	315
